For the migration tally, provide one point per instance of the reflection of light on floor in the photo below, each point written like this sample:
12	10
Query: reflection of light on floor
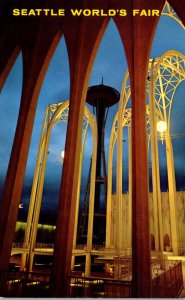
33	283
14	280
28	284
81	282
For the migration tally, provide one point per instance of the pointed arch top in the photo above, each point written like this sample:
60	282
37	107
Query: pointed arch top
169	11
8	57
179	7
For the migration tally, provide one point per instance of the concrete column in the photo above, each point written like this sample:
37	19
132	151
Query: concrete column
66	210
91	123
119	222
129	242
158	225
109	206
137	34
38	195
137	41
32	80
72	262
30	261
172	193
88	264
36	198
78	201
23	262
81	50
109	190
91	202
140	211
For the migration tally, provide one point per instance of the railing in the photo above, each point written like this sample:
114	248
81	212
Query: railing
167	279
122	268
123	251
81	247
161	265
18	245
96	287
24	284
181	251
44	248
167	282
38	246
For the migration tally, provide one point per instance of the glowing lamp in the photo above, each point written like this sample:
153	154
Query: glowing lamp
161	126
62	154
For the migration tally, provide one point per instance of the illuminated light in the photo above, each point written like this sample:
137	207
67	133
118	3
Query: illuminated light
86	282
62	154
161	126
33	283
14	281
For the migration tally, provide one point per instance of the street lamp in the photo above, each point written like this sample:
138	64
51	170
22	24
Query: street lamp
161	128
62	154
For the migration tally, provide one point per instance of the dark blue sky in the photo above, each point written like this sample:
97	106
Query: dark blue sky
110	63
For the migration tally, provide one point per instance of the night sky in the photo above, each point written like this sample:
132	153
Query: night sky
110	63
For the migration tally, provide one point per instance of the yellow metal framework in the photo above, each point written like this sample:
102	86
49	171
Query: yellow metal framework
55	113
164	75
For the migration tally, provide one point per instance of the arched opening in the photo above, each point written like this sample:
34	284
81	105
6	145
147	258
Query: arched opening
177	124
10	101
110	57
55	89
164	191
